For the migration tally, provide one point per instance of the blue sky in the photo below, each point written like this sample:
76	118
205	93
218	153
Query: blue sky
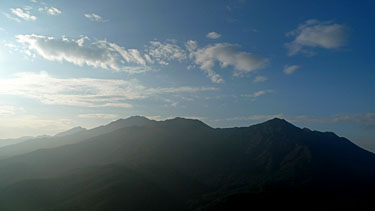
229	63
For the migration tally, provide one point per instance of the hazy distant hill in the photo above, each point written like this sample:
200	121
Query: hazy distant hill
71	131
183	164
71	136
10	141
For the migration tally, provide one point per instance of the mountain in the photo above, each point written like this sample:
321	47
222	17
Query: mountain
183	164
10	141
71	136
71	131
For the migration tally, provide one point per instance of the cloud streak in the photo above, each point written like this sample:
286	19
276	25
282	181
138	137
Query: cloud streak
259	79
98	116
288	70
213	35
98	54
24	14
314	33
94	17
50	10
85	92
257	94
107	55
226	55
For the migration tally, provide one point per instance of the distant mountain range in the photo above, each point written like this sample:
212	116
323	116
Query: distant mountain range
184	164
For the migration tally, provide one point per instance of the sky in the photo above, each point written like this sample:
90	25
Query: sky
228	63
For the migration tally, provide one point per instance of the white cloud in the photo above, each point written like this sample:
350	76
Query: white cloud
289	69
50	10
227	55
314	33
258	93
84	92
94	17
163	53
213	35
106	55
260	78
98	116
24	14
99	54
53	11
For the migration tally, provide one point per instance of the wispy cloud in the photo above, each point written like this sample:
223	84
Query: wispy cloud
314	33
213	35
85	92
259	79
98	116
99	54
226	55
257	93
24	14
290	69
95	17
50	10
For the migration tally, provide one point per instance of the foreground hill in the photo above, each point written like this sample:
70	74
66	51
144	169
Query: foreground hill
185	164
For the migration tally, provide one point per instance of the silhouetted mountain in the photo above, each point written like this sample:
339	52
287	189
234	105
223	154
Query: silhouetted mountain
71	131
188	165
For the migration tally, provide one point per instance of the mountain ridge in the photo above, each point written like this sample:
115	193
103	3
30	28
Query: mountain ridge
270	156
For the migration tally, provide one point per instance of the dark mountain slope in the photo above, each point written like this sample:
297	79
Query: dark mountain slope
270	159
110	187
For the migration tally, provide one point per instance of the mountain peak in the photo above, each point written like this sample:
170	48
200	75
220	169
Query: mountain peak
278	121
137	118
277	124
185	122
130	121
71	131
